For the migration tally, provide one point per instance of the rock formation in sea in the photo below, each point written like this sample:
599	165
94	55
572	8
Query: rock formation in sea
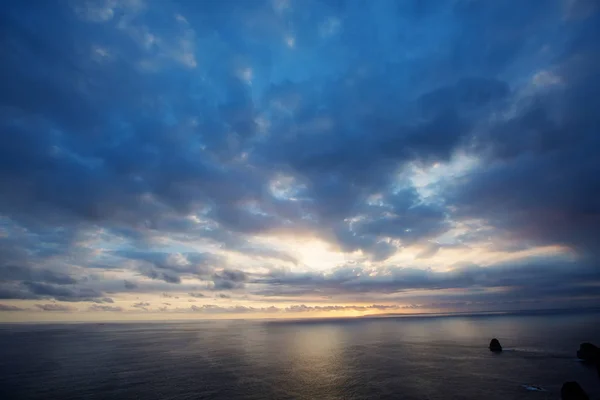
495	345
572	391
588	352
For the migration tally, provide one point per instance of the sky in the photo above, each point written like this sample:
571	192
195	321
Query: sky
297	158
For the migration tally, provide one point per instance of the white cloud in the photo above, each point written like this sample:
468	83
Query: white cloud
430	179
290	41
245	74
546	78
181	18
176	44
99	11
280	6
101	54
330	27
96	11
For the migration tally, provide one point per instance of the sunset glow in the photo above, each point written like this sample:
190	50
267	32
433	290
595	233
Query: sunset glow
295	159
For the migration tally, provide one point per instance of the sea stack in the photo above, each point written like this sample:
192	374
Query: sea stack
588	352
495	346
572	391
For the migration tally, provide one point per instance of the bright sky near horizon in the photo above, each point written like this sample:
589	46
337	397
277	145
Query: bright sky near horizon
297	158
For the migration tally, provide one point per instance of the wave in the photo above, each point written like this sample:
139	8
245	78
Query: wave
534	388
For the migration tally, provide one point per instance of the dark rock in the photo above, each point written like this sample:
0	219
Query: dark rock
572	391
588	352
495	345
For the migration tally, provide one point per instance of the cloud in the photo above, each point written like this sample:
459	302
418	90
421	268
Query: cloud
197	295
229	279
138	157
26	273
129	189
429	251
130	285
55	307
170	267
538	183
578	9
104	300
214	309
64	293
531	278
7	307
298	308
305	308
142	305
97	307
37	290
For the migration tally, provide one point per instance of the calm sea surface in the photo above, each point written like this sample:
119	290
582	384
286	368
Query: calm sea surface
375	358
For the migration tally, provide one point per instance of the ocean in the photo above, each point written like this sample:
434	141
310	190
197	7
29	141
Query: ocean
360	358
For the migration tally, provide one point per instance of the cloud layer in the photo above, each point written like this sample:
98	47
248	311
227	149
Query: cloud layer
269	154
